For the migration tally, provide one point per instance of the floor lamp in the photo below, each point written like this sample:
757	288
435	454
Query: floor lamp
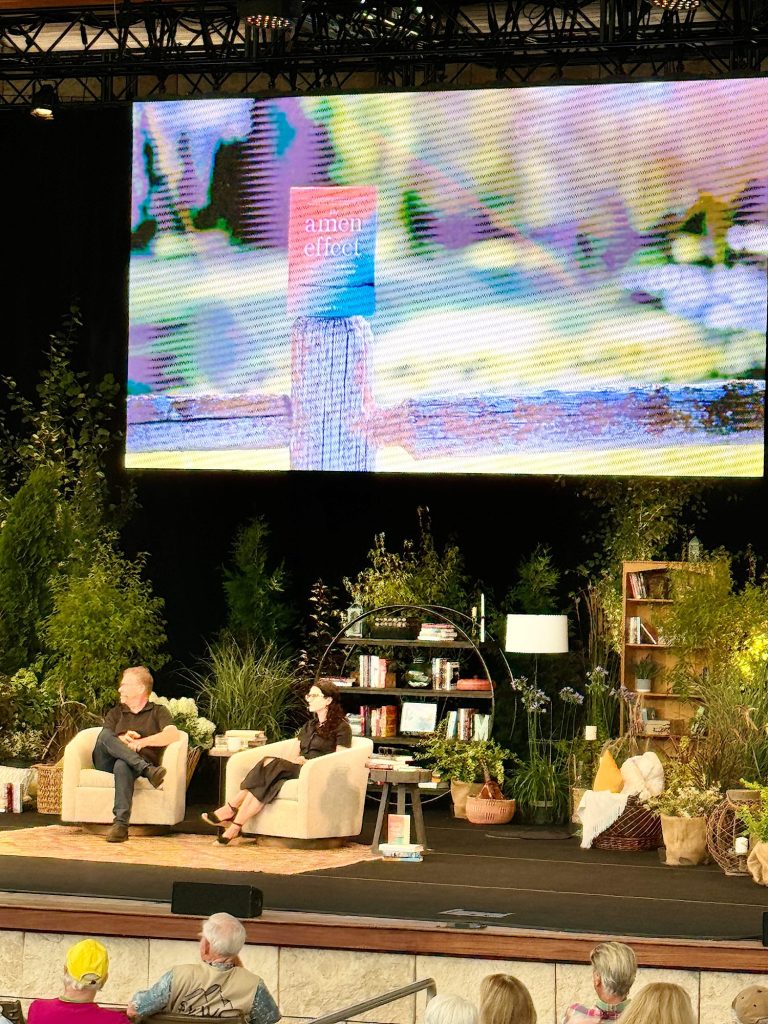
537	634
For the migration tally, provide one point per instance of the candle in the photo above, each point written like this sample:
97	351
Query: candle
590	732
482	618
741	845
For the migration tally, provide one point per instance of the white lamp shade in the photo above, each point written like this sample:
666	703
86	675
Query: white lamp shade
537	634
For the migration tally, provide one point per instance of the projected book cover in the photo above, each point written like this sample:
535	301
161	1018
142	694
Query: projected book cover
541	280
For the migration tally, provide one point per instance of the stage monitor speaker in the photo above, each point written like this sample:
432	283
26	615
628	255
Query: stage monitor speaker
201	899
765	929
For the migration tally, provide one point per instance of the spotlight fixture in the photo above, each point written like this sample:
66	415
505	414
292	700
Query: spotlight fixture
676	5
271	15
44	101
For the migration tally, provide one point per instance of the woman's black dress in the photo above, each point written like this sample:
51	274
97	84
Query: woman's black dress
266	780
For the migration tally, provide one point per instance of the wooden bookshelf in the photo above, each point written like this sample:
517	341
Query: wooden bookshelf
646	596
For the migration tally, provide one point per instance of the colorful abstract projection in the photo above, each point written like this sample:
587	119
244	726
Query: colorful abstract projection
540	280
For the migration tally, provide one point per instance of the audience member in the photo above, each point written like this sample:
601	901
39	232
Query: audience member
613	973
751	1005
218	986
660	1003
505	1000
86	970
448	1009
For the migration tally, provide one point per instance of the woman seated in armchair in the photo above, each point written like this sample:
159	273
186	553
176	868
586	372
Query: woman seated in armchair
326	731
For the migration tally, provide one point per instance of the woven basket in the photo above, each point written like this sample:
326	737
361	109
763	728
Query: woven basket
723	827
636	829
481	811
193	757
49	778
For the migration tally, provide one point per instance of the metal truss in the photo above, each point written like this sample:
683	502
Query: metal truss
153	49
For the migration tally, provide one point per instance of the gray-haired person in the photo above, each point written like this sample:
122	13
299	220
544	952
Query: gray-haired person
448	1009
613	973
217	986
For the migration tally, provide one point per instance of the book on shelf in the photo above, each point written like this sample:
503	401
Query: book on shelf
373	672
437	631
378	722
648	633
467	724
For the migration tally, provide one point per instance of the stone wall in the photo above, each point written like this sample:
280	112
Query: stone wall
310	982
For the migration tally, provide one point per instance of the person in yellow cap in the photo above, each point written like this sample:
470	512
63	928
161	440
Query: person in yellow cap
86	970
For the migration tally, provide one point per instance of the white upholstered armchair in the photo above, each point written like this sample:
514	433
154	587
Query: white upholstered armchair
87	795
325	801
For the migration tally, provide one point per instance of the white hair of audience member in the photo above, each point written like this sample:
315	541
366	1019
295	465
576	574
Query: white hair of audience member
224	934
447	1009
616	966
84	986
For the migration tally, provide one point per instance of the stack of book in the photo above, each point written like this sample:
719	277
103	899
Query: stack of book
467	724
437	631
373	671
402	851
378	723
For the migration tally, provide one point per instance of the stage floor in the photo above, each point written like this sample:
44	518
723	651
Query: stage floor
473	876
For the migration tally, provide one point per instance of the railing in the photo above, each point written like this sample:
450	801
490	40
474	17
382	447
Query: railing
425	985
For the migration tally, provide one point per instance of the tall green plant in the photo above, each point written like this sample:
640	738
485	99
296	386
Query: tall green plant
34	542
632	519
247	686
102	622
535	592
258	610
420	574
721	634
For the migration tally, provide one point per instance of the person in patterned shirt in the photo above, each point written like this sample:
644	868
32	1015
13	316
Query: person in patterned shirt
613	973
218	986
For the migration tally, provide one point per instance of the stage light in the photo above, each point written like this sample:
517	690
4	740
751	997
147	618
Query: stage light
44	103
676	5
275	15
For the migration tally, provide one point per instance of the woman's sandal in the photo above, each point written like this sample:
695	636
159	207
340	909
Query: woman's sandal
220	838
212	818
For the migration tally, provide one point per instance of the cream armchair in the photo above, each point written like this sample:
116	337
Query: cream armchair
87	795
325	801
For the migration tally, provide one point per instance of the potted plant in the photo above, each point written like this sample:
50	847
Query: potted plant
755	817
683	808
646	669
186	717
420	575
466	763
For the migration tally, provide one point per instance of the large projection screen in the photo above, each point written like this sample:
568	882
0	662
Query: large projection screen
566	279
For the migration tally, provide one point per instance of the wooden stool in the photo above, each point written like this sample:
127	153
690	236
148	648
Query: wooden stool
405	782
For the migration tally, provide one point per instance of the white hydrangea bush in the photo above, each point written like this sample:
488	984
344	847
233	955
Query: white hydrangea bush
185	716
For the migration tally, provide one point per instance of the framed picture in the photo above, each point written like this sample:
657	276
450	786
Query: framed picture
418	718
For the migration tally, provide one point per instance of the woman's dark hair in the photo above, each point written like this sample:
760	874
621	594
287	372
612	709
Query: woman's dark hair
335	713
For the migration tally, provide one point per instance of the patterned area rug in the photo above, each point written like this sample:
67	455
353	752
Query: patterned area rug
68	842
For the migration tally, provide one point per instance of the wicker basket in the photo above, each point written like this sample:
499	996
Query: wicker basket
723	827
636	829
49	778
481	811
193	757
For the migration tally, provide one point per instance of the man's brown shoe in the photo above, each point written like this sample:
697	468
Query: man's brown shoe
118	833
156	774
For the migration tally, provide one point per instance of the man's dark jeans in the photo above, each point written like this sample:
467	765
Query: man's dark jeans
112	755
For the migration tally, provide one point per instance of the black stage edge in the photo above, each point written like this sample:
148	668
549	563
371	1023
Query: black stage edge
533	883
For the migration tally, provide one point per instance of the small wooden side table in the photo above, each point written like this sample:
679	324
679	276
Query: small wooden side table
405	782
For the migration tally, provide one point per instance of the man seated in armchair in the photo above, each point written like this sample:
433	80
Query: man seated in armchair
131	744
